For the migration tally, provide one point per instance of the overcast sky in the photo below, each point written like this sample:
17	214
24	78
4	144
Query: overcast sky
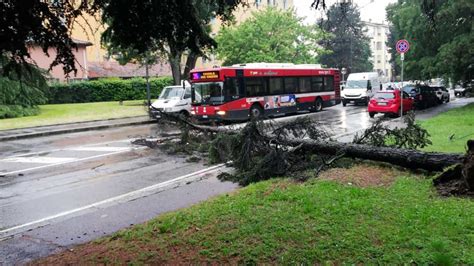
369	9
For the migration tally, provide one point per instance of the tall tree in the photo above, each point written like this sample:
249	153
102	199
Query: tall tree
350	45
170	27
440	36
271	35
44	23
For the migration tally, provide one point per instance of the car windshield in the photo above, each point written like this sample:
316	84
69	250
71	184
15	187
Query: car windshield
208	93
357	84
410	89
384	95
171	93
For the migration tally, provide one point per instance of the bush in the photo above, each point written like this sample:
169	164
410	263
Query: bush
110	89
12	111
20	95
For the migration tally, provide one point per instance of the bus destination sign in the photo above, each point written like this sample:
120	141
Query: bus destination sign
206	75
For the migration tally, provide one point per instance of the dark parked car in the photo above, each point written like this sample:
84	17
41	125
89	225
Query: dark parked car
459	90
442	93
424	95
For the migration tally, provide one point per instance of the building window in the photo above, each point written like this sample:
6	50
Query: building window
285	4
257	3
269	2
379	46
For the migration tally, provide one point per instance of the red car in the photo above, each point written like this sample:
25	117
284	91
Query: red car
388	102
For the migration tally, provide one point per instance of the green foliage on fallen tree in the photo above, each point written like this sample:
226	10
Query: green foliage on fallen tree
112	89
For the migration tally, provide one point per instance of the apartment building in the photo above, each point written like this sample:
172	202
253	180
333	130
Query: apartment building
378	34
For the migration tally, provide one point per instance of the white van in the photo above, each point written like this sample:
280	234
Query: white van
360	87
173	99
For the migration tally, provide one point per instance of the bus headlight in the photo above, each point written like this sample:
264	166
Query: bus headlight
220	112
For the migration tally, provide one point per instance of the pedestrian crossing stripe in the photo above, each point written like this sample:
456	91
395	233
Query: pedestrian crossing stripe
38	159
101	149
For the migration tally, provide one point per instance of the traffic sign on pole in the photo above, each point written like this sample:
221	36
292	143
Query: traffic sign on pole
402	46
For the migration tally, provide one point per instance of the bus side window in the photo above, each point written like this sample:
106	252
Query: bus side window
317	84
255	87
305	84
232	89
328	83
275	86
291	85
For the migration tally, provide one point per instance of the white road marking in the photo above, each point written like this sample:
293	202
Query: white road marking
94	148
121	198
38	159
74	161
62	149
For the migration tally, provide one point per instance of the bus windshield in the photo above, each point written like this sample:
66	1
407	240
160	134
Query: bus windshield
356	84
171	92
208	93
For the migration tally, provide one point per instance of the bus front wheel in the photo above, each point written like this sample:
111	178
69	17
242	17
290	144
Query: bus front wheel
256	112
318	105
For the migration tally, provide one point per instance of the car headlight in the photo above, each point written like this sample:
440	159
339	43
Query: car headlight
220	112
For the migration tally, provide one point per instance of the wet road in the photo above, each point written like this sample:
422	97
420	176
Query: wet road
67	189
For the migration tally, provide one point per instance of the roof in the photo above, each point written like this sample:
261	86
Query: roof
81	42
76	41
284	66
114	69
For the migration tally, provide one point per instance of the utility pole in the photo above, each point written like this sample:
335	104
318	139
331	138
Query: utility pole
147	77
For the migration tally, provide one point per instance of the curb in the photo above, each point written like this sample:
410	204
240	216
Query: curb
72	130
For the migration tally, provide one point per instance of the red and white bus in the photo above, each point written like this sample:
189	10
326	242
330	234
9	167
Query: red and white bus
244	91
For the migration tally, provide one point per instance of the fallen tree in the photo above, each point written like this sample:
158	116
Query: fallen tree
262	150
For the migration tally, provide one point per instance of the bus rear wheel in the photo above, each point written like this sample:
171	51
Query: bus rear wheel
318	105
256	112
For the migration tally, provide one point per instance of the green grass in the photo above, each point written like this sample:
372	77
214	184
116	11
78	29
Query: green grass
459	121
66	113
282	222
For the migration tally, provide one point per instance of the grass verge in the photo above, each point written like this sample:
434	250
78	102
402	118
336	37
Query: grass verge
320	221
458	123
52	114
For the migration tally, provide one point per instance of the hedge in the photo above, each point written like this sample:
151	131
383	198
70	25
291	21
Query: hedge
110	89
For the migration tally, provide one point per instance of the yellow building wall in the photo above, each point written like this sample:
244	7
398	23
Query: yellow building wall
90	28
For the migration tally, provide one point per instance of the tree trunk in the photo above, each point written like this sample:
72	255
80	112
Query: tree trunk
174	59
413	159
190	64
468	166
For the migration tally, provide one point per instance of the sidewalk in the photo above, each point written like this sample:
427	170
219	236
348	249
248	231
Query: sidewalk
32	132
